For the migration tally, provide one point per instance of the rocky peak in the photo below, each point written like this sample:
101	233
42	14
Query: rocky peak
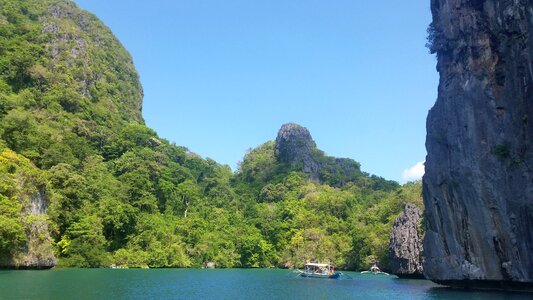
295	147
73	37
405	247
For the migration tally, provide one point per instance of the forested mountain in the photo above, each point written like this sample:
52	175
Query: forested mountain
83	182
310	206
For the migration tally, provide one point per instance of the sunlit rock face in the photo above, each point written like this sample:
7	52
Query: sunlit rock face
38	252
295	146
478	185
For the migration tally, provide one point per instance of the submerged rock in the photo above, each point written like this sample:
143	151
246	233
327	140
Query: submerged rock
478	186
405	247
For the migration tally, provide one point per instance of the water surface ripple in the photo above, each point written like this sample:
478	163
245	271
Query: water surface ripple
220	284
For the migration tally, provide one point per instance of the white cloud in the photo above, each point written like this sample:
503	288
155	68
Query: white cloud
414	173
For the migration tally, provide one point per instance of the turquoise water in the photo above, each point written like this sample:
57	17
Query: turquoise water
219	284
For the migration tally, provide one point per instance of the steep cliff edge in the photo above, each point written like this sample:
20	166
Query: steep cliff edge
405	246
478	186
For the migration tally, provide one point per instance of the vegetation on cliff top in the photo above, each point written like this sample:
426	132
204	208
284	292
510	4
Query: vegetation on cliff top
71	129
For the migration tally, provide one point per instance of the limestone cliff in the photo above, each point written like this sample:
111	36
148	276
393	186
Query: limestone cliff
478	186
24	224
97	62
68	89
295	146
295	150
405	247
37	253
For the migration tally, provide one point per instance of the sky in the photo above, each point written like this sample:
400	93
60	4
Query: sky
221	77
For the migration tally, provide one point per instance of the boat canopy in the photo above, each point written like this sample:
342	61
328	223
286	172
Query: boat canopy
317	264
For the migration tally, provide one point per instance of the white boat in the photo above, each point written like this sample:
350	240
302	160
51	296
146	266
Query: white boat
319	270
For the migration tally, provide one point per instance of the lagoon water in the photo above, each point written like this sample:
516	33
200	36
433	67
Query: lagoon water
220	284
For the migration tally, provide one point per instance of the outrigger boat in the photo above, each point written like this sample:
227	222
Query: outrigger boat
374	270
318	270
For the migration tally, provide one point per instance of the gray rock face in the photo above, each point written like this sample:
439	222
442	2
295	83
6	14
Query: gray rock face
405	247
478	186
295	146
37	252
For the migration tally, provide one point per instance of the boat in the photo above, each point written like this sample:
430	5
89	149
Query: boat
319	270
374	270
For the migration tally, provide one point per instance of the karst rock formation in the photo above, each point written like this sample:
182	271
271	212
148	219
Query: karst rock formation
478	186
405	247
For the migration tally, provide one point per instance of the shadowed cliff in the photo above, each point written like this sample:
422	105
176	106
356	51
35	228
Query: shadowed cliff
478	186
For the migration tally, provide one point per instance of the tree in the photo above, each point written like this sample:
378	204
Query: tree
187	193
12	235
84	244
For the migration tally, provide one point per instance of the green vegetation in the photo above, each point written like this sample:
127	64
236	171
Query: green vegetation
18	179
309	220
71	130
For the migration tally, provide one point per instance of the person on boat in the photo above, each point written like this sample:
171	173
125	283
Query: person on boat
374	268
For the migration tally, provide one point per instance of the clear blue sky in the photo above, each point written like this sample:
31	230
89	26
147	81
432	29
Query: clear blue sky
222	76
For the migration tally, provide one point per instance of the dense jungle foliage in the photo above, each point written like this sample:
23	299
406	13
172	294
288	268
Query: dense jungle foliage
71	131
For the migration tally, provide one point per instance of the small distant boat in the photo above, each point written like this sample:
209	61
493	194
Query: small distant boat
374	270
318	270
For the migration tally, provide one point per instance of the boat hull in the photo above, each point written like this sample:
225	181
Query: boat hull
374	273
314	275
